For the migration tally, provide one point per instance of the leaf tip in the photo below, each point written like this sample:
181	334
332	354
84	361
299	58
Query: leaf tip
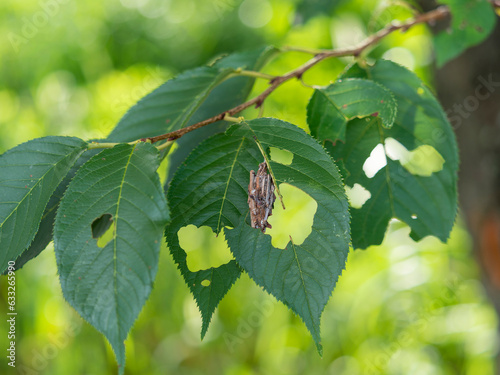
319	348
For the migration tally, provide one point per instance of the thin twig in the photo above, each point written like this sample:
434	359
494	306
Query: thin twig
251	73
274	83
234	119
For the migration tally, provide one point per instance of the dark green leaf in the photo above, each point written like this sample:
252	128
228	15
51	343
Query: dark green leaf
426	200
226	95
175	104
307	9
472	22
170	106
301	276
210	188
44	233
331	108
109	285
29	174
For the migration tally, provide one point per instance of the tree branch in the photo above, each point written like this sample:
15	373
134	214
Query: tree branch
432	16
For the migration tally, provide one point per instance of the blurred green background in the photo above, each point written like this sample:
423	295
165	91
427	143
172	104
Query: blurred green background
73	68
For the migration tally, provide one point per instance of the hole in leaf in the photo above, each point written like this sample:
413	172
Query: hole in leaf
296	221
375	162
281	156
394	149
205	283
103	229
423	161
414	217
203	248
357	195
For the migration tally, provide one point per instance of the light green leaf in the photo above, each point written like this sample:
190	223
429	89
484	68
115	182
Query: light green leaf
472	22
109	285
385	13
210	189
301	276
29	174
331	108
425	200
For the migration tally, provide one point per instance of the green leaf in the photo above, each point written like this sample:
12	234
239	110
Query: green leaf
170	106
226	95
29	174
301	276
175	104
109	285
46	228
210	189
472	22
392	11
425	200
331	108
307	9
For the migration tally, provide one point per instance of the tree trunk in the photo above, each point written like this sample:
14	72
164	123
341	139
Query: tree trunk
468	87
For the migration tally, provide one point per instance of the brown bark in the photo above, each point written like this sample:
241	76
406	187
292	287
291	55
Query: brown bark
468	87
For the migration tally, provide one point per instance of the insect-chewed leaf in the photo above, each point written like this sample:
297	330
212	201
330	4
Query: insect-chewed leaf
301	276
471	23
29	174
331	108
210	188
427	202
109	285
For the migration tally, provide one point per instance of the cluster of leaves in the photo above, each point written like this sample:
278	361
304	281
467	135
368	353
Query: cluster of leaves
67	190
